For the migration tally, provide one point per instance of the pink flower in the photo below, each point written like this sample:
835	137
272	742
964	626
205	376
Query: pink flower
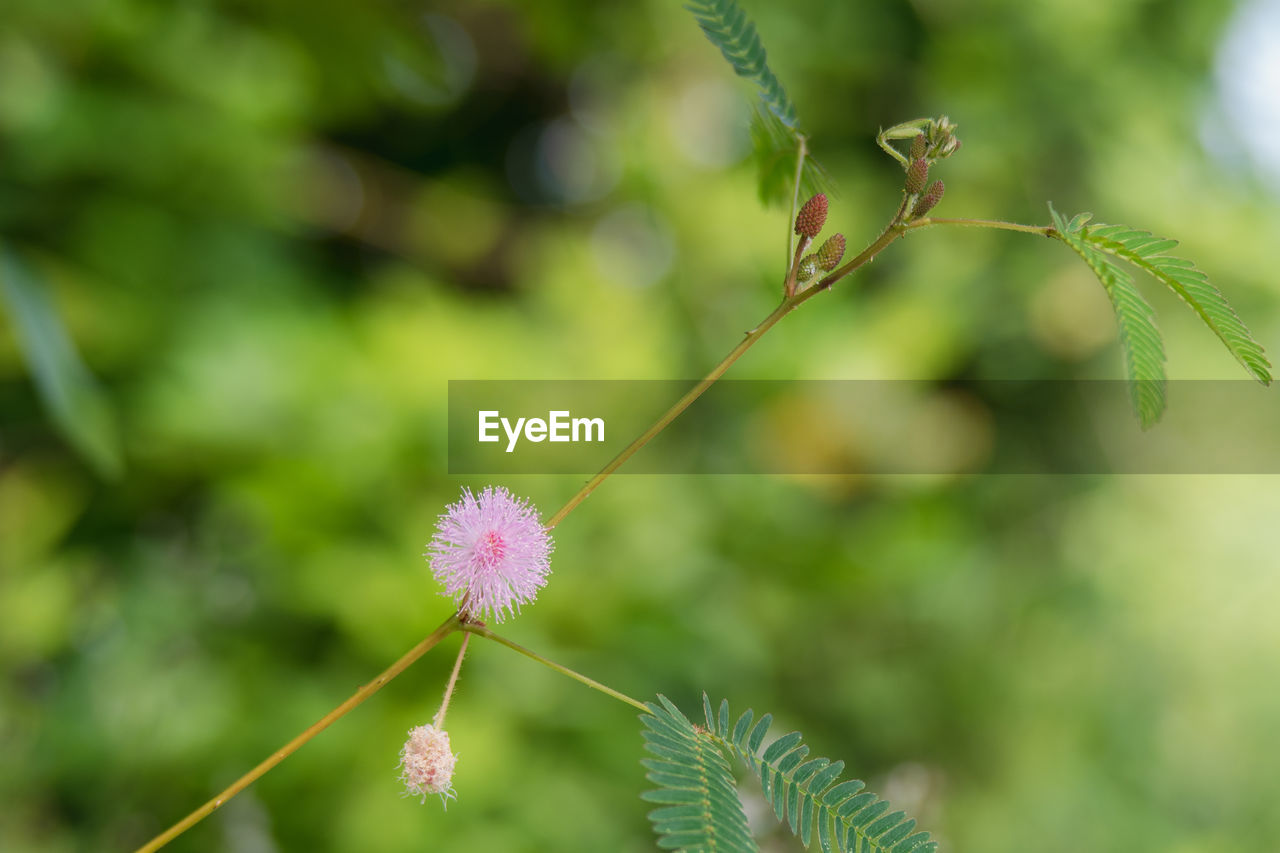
491	553
426	764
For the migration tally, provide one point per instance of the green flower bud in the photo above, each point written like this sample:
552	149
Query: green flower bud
808	268
829	255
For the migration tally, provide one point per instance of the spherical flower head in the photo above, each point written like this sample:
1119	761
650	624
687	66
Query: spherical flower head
491	553
426	764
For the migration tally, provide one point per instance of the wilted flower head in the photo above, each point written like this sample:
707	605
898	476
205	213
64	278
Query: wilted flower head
491	553
426	764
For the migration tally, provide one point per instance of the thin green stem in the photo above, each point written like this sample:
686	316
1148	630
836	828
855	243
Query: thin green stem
1043	230
453	623
672	413
473	628
802	151
891	232
866	256
438	721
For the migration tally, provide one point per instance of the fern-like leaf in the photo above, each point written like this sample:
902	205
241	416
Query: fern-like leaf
1139	336
806	792
1146	251
728	28
700	810
775	131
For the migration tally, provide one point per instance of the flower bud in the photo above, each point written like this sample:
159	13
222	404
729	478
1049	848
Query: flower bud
808	268
918	146
929	199
829	255
917	174
943	141
812	216
426	763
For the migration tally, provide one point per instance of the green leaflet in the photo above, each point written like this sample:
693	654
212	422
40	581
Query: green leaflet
72	397
1139	336
806	793
1145	250
701	811
1144	351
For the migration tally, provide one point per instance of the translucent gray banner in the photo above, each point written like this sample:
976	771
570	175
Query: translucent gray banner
861	427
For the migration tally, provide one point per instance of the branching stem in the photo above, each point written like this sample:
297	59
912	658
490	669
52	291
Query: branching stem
473	628
446	628
892	231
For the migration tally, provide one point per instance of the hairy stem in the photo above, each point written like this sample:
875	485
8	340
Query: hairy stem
438	721
1044	230
473	628
446	628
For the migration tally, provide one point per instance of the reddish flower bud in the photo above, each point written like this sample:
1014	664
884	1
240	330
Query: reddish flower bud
929	199
917	174
918	146
831	252
812	216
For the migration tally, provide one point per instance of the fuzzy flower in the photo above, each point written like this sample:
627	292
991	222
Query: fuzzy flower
491	553
426	764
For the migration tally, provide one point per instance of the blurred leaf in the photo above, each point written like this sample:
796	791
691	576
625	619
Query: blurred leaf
775	148
72	397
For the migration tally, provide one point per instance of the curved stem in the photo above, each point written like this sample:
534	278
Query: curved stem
446	628
473	628
1043	230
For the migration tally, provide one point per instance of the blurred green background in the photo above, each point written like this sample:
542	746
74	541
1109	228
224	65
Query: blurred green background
272	232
